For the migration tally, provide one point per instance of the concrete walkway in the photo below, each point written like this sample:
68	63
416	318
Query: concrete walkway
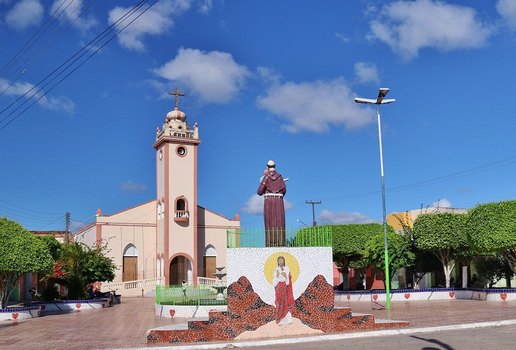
125	325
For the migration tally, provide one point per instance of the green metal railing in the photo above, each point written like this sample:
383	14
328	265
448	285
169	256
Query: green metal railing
318	236
192	296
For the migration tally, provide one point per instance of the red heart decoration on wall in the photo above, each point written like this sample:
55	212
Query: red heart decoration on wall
78	306
348	297
375	297
172	312
407	295
15	316
452	294
503	296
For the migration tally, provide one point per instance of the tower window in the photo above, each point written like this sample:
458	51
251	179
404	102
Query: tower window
181	210
181	151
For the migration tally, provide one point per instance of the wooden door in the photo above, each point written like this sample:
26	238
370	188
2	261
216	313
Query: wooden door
130	268
210	262
178	271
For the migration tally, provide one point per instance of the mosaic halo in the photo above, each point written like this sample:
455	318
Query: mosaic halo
272	261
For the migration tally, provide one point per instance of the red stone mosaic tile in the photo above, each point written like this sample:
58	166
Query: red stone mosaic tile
247	312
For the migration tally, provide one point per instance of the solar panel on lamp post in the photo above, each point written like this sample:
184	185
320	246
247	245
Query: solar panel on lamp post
381	100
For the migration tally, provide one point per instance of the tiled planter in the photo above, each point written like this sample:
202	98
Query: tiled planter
20	313
428	294
186	311
73	305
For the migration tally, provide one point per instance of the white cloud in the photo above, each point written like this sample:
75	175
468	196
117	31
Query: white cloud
270	76
205	6
507	9
24	14
342	37
133	187
367	72
343	217
441	203
73	13
315	106
55	103
214	76
409	26
157	20
254	205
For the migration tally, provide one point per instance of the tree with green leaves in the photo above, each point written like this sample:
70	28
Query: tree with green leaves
491	269
349	242
20	252
492	229
80	265
424	261
400	254
444	235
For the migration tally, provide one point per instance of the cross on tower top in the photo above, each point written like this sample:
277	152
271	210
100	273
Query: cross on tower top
176	93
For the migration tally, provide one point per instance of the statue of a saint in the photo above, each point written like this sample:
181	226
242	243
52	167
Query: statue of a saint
273	188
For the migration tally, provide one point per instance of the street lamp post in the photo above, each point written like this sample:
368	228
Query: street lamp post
302	222
381	100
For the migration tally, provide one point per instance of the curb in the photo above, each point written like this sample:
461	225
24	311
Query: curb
326	337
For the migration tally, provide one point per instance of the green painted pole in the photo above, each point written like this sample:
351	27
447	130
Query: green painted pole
384	210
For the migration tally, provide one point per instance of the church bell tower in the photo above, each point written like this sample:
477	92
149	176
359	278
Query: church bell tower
176	201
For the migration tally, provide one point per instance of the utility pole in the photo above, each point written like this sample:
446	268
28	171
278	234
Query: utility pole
67	227
313	203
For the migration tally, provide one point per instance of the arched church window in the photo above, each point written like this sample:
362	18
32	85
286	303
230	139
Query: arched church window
181	210
181	204
210	250
130	250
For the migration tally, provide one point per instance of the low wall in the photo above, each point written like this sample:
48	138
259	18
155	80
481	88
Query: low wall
193	311
20	313
428	294
73	305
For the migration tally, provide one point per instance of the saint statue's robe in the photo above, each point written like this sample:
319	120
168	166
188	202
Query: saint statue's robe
273	188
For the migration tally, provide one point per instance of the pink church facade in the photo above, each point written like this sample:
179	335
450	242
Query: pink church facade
170	237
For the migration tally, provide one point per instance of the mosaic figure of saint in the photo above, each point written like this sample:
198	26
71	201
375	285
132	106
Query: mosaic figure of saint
284	296
273	188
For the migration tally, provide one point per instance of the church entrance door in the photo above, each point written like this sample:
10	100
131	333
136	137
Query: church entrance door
130	263
210	262
130	268
180	270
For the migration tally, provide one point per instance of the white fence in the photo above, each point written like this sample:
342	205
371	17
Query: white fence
136	288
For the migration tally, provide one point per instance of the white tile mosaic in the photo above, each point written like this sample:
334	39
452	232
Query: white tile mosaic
258	264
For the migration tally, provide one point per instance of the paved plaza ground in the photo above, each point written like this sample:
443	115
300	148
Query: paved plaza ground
125	326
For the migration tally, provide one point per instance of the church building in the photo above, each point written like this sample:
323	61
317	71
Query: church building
170	237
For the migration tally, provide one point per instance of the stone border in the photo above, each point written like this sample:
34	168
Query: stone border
73	305
59	306
428	294
194	311
20	313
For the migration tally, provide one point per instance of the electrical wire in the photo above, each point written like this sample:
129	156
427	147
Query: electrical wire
431	181
62	69
24	52
57	33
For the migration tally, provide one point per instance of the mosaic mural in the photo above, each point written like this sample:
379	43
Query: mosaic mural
283	304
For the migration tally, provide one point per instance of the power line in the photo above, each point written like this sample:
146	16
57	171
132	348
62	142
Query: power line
61	69
24	52
45	214
431	181
39	93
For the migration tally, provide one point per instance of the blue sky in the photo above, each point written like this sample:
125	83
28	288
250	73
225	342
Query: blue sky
264	80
